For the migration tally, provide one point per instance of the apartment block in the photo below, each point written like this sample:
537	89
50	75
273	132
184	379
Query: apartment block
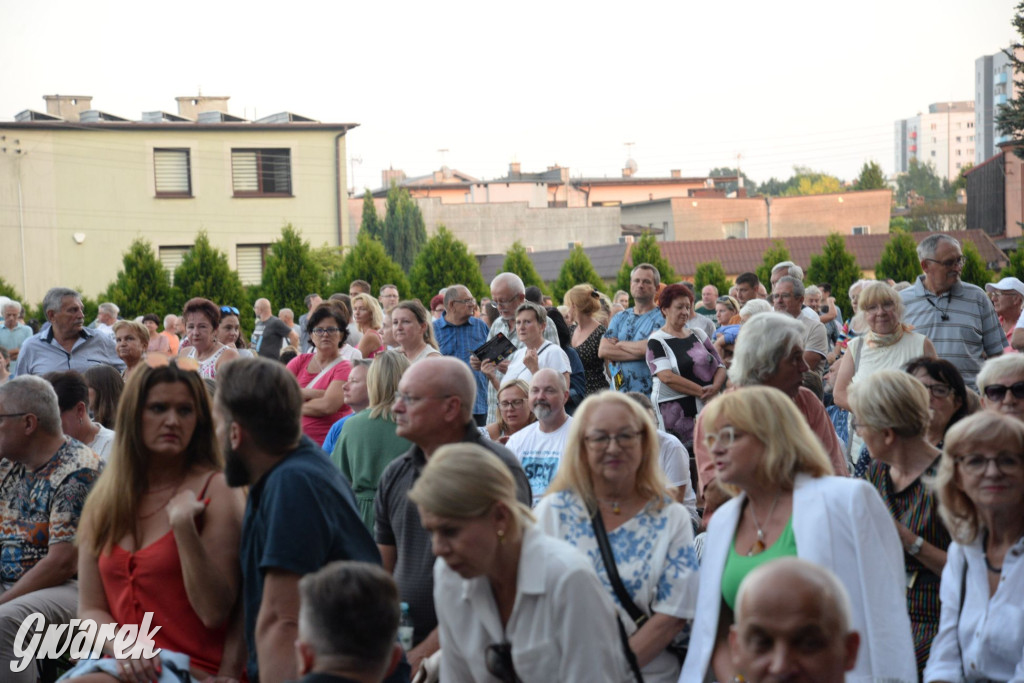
993	86
944	137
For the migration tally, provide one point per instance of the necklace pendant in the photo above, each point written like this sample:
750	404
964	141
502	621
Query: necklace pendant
615	508
757	548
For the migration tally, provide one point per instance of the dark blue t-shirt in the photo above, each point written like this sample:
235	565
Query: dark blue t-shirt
300	516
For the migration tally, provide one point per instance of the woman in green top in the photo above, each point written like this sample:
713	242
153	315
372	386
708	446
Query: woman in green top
368	442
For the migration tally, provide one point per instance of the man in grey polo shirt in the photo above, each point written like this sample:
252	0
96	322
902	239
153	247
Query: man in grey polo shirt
958	317
434	407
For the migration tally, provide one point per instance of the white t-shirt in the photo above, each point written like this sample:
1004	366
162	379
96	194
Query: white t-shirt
540	454
103	442
550	356
675	463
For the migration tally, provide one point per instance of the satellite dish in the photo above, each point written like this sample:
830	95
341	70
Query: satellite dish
631	165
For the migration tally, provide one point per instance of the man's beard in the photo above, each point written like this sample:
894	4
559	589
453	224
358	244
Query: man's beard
542	411
236	472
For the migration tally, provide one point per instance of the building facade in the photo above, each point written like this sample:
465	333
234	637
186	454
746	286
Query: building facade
994	86
944	136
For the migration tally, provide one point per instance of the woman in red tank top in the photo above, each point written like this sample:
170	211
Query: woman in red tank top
160	531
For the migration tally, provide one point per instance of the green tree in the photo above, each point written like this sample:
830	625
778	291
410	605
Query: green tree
518	261
290	272
577	270
645	250
899	260
143	285
403	233
975	269
806	181
898	224
370	224
1010	116
7	289
836	266
773	187
732	185
961	181
776	253
1015	268
205	272
921	179
368	261
940	215
445	260
711	273
871	177
328	259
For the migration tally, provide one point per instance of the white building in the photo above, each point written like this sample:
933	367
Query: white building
943	137
993	86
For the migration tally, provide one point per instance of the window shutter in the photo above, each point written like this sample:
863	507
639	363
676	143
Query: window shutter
244	172
171	172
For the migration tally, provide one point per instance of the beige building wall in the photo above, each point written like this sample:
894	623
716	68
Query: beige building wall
86	194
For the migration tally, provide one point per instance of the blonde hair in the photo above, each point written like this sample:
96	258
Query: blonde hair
422	317
771	417
585	298
376	312
382	382
878	292
466	481
522	386
140	331
574	473
892	399
985	429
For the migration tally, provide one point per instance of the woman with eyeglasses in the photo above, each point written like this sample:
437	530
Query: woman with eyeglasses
610	486
513	411
322	374
513	604
948	393
981	495
202	317
413	330
369	318
159	535
787	503
229	332
892	415
1001	384
888	343
131	340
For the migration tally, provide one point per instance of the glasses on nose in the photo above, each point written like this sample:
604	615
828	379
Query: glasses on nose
977	464
514	403
6	415
874	309
941	390
600	442
498	660
504	302
411	401
323	331
997	392
465	302
724	437
948	263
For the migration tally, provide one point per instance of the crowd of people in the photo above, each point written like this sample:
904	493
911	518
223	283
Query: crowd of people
660	486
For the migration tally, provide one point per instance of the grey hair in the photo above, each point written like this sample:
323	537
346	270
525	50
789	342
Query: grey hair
930	244
1000	366
761	345
812	291
859	284
109	307
56	295
168	317
542	315
754	307
513	281
9	303
452	292
647	266
798	286
791	269
31	394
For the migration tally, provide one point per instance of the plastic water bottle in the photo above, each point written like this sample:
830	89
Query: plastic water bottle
405	628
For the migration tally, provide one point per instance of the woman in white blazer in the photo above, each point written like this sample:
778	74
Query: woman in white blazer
787	504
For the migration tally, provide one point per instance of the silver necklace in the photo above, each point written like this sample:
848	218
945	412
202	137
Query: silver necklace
759	545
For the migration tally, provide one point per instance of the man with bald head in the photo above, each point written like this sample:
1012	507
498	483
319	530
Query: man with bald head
270	331
539	446
792	624
433	407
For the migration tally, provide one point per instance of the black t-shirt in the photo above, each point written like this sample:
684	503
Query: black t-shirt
269	336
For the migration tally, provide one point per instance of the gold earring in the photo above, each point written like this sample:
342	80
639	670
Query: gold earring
501	536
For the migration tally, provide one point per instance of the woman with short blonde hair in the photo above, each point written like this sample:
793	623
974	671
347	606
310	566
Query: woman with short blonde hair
584	304
513	410
131	341
368	317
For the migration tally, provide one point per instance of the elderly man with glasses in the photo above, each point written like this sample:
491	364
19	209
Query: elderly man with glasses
458	332
956	316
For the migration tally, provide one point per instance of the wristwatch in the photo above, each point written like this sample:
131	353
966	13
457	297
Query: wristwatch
915	547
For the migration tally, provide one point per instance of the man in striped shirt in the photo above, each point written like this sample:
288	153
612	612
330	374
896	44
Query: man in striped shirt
956	316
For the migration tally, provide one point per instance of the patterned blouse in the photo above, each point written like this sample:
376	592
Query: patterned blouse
593	366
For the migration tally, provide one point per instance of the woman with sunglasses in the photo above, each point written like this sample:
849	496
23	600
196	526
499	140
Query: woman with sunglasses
1001	384
981	496
202	317
945	385
786	503
229	332
513	411
323	373
513	604
160	532
610	484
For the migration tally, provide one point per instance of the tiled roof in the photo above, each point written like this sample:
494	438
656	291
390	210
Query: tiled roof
607	260
741	255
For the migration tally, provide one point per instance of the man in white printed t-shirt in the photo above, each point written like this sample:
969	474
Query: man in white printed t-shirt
539	446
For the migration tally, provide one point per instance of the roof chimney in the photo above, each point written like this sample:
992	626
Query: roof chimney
390	175
68	107
191	107
676	173
514	169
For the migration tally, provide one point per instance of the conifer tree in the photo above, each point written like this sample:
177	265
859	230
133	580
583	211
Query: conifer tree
576	270
445	260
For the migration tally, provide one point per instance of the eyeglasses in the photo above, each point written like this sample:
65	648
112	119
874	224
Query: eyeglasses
888	307
5	415
465	302
229	309
997	392
940	390
498	659
514	403
725	437
155	359
411	401
948	263
323	331
505	302
600	442
977	464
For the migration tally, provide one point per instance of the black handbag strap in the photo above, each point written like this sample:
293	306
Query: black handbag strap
613	572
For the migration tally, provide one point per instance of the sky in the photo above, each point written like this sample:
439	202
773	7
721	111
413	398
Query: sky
767	85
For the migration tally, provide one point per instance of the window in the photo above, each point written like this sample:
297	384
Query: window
970	124
736	230
171	173
862	230
251	258
171	258
261	172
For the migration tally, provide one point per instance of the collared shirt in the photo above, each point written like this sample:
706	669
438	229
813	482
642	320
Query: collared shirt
984	640
969	331
459	341
500	325
42	353
13	339
633	375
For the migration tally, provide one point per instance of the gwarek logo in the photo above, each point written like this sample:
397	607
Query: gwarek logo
83	638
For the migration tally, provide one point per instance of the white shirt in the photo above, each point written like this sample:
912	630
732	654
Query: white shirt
539	453
103	442
986	640
562	626
550	356
675	463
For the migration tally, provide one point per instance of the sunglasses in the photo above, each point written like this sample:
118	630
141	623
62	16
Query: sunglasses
229	309
155	359
498	659
997	392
